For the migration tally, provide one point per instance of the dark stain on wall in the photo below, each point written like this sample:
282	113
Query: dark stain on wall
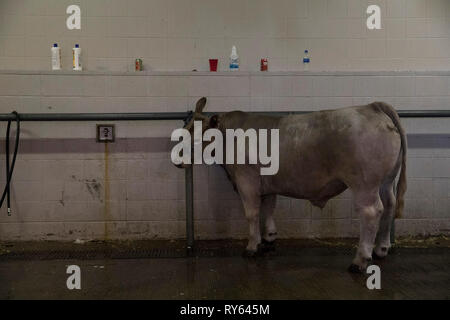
94	188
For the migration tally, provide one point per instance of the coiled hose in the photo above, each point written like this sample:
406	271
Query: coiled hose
10	167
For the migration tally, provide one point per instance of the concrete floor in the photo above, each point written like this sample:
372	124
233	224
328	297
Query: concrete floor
295	271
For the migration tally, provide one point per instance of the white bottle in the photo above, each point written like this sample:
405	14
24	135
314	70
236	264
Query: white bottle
306	61
56	57
76	54
234	59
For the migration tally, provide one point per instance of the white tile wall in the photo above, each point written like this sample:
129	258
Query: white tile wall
183	34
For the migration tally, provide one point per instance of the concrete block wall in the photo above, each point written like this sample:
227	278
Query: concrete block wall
67	186
174	35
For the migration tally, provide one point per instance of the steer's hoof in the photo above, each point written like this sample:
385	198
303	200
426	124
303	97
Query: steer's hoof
355	268
250	254
267	246
375	256
382	253
258	253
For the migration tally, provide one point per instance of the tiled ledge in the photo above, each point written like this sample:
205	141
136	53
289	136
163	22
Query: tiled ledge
230	73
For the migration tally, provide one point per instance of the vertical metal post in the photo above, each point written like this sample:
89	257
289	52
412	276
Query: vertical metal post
189	181
393	231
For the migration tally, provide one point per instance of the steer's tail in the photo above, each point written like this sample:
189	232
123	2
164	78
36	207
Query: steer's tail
401	184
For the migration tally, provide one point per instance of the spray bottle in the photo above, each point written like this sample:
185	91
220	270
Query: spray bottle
234	59
56	57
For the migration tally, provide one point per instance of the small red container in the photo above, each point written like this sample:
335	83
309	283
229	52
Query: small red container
138	65
264	64
213	64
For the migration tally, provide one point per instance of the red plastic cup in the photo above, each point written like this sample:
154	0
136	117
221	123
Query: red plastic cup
213	65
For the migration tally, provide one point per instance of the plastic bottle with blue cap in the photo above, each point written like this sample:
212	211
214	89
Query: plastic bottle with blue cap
56	57
306	61
76	54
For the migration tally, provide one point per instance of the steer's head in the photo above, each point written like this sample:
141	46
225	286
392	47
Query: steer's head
207	122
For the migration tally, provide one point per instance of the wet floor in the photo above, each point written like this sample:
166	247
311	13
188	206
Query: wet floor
293	272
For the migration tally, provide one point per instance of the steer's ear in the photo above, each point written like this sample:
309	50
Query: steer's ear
200	105
214	121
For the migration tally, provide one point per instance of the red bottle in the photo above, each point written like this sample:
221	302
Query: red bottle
264	64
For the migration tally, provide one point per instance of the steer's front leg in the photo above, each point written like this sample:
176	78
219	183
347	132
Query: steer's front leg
252	204
248	184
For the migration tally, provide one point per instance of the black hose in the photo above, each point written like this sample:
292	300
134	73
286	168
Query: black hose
8	129
10	168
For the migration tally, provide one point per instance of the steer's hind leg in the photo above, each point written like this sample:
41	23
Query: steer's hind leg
270	230
383	240
369	207
267	209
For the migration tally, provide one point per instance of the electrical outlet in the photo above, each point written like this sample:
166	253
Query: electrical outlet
105	133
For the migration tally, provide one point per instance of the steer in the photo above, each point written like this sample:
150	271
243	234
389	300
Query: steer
323	153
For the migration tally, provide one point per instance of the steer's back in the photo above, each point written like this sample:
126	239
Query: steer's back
333	148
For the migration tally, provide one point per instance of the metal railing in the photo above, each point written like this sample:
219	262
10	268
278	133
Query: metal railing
180	116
